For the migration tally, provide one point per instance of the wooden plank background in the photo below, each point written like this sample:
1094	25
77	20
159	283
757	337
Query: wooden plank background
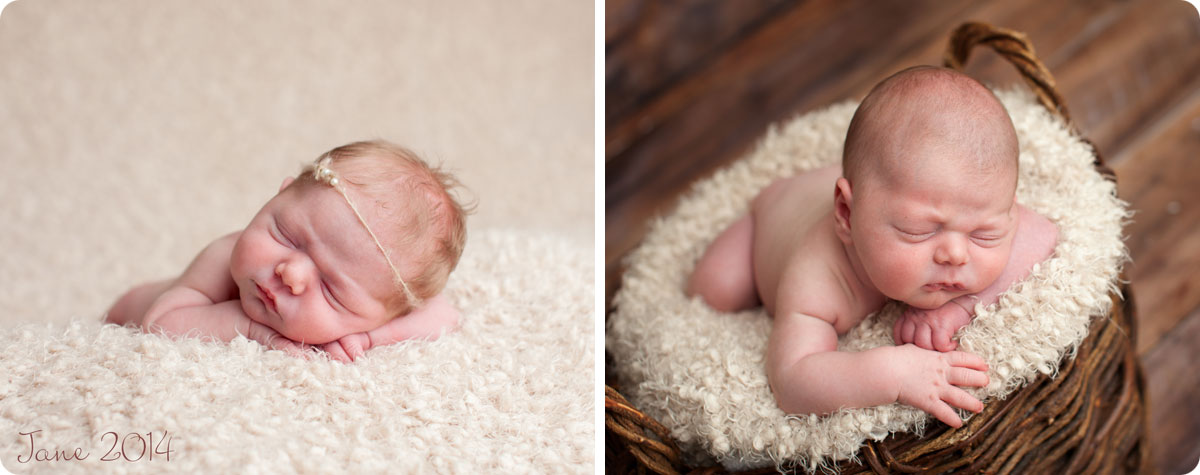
690	85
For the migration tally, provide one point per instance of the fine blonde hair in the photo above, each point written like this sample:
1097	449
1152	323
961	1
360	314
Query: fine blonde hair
416	214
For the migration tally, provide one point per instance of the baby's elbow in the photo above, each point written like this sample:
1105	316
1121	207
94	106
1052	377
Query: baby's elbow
151	322
795	403
161	320
440	318
449	323
781	378
119	313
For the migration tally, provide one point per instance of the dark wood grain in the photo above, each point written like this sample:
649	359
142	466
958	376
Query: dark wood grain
1147	60
1161	180
1171	391
665	41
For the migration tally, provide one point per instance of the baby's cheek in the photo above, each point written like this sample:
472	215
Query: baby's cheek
991	265
898	273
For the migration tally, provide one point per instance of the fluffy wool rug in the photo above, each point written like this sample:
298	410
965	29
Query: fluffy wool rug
133	133
507	392
701	373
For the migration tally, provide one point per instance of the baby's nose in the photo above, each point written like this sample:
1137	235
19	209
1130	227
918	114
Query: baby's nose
290	277
952	253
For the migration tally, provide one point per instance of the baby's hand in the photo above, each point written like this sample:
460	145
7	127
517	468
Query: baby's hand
931	329
928	381
349	347
273	340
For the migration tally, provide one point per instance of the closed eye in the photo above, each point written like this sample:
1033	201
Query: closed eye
329	297
279	237
987	241
915	236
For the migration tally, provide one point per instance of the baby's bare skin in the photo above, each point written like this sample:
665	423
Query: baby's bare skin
183	306
805	278
928	218
305	272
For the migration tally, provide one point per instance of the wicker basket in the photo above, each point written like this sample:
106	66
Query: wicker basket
1090	418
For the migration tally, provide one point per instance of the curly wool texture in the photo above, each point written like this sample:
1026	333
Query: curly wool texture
511	391
701	373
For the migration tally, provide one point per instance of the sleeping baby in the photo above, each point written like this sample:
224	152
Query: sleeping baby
924	211
351	254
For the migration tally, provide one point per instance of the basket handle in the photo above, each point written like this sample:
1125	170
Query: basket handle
1015	47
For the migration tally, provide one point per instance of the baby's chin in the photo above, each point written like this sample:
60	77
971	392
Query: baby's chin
305	336
932	300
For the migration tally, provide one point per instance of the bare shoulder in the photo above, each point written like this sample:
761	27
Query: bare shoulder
788	237
807	184
225	243
1035	238
209	271
1034	223
814	281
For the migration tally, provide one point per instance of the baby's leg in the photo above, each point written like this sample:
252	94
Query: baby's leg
724	277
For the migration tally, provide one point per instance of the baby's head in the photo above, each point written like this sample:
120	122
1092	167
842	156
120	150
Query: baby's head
364	235
927	198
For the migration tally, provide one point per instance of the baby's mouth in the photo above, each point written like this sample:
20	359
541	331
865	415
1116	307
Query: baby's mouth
267	297
944	287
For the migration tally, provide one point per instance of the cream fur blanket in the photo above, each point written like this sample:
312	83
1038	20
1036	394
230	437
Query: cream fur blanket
508	392
701	372
133	132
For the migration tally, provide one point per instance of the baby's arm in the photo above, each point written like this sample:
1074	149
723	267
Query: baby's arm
809	376
1033	242
132	306
203	302
428	321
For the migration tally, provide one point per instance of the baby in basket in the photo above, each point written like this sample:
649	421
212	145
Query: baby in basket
351	254
924	211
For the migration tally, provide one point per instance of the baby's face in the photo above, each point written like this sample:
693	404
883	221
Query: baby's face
935	236
306	267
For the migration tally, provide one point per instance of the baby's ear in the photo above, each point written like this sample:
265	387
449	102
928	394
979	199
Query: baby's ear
286	181
843	198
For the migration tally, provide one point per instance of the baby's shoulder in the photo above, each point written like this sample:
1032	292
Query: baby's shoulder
818	285
222	246
209	271
227	240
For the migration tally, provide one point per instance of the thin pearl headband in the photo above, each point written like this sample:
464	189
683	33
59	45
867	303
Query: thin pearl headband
326	175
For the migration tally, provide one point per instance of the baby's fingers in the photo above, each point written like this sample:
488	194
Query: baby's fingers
963	359
290	347
896	330
967	377
943	412
942	341
336	352
923	337
958	398
906	330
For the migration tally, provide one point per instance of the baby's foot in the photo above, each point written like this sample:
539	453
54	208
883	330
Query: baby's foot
931	329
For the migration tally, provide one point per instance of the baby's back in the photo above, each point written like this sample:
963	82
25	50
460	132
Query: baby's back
800	264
